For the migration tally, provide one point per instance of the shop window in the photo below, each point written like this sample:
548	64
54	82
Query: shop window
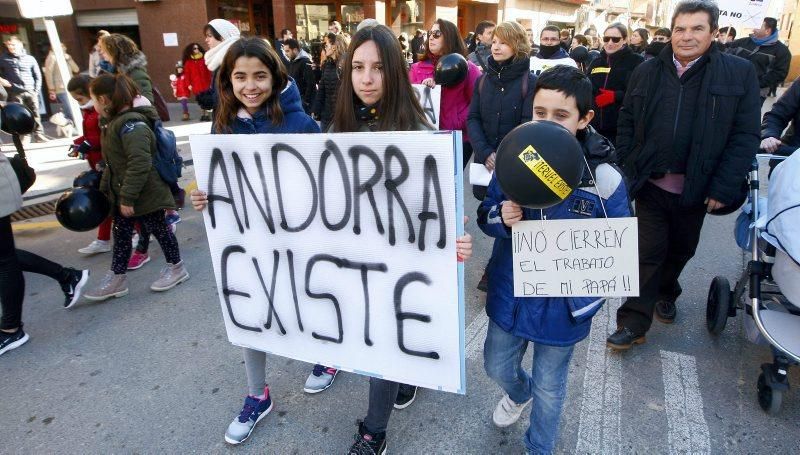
407	16
237	12
313	20
352	15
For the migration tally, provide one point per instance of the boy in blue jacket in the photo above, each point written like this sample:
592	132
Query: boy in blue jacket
554	324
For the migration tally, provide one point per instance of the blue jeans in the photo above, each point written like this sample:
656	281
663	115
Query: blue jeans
547	384
63	99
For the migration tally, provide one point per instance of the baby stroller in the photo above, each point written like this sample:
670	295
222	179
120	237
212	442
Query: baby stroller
770	230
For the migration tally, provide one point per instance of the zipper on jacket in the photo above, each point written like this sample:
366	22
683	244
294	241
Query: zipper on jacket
713	107
677	114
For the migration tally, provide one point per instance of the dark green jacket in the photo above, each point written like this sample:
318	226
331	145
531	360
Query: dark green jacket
129	177
136	69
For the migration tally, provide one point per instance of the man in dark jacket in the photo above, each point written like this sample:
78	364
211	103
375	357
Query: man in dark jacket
302	71
483	34
550	51
770	57
417	43
687	133
24	81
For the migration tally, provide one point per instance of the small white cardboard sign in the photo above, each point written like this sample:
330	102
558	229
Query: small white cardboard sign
742	13
431	101
595	257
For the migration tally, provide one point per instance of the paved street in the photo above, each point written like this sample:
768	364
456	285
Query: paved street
154	373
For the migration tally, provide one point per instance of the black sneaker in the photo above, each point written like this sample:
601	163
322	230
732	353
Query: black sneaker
623	339
9	341
72	285
366	443
405	396
666	311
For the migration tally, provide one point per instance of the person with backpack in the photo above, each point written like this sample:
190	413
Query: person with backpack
502	100
551	325
124	56
483	49
131	182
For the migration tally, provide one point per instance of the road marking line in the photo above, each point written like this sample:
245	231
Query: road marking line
476	335
20	227
688	430
599	428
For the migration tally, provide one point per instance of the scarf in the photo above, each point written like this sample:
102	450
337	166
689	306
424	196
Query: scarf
766	41
215	55
546	52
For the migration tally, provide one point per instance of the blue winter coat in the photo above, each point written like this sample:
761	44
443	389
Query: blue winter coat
556	321
295	119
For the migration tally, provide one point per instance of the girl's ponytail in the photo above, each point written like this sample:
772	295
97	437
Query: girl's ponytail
119	88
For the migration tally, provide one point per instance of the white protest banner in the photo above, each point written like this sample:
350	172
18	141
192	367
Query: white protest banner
339	249
595	257
742	13
431	101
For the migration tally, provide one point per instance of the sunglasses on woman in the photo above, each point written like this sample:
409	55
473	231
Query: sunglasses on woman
435	34
660	39
615	39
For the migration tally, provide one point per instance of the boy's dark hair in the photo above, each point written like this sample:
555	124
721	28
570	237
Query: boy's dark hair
550	28
728	31
292	43
663	31
698	6
772	23
482	26
569	81
79	84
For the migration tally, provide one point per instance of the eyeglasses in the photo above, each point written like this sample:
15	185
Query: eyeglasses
615	39
435	33
660	39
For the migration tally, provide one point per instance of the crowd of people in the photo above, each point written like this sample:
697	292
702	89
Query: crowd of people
668	126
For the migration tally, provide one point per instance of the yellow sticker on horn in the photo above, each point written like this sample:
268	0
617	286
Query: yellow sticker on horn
534	161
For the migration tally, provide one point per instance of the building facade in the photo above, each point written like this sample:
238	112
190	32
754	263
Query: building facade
162	28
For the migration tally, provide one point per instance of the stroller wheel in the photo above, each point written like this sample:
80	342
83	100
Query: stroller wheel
769	398
718	305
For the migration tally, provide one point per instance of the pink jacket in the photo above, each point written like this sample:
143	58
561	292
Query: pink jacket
455	99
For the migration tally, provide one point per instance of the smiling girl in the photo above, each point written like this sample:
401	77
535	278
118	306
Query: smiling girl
255	96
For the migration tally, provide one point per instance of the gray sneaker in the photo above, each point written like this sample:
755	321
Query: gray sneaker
112	285
171	275
253	411
320	379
